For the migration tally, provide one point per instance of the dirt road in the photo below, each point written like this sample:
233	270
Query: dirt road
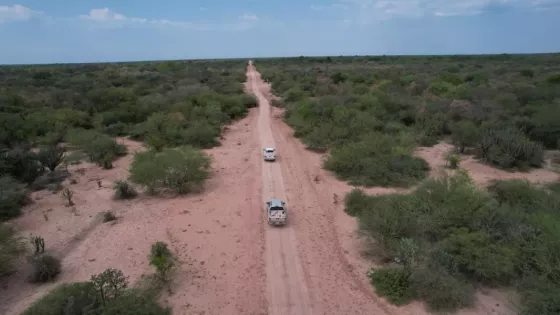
286	284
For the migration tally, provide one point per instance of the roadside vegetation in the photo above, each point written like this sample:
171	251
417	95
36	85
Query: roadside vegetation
108	293
448	237
54	116
502	108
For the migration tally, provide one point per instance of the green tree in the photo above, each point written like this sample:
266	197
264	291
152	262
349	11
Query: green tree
51	156
181	169
463	134
110	284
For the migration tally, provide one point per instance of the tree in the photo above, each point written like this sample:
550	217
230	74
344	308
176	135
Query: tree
464	133
51	156
181	169
110	284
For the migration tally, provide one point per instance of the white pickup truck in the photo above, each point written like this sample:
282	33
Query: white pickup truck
269	154
276	212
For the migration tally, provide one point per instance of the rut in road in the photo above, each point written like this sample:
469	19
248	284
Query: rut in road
286	283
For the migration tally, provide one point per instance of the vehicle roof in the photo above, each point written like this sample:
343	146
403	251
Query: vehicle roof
276	203
269	149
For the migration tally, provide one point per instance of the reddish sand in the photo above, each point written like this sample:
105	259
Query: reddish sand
232	262
482	174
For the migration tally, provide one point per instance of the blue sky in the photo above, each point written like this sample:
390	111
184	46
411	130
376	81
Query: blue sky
41	31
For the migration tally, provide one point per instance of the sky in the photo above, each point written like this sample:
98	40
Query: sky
68	31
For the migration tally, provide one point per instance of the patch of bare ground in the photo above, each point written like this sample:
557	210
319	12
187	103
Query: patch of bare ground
217	234
330	249
481	173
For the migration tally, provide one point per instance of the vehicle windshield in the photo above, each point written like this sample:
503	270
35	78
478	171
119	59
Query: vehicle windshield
269	150
276	208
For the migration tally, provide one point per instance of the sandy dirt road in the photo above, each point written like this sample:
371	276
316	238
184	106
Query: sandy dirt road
286	284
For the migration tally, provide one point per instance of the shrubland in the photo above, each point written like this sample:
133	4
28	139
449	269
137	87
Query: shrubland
52	116
57	114
447	237
501	108
107	293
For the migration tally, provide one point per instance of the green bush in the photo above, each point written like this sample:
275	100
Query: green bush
51	156
13	196
464	134
50	180
101	149
162	259
392	283
509	148
545	123
540	296
45	268
11	248
249	100
21	163
182	169
110	284
135	302
81	298
553	78
171	130
453	160
69	299
494	238
474	253
378	160
124	190
355	202
440	87
440	290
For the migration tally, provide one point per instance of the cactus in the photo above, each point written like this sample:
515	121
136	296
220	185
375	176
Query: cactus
39	244
67	194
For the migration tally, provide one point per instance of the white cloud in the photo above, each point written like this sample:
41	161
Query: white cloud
106	15
368	11
248	17
105	18
16	12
